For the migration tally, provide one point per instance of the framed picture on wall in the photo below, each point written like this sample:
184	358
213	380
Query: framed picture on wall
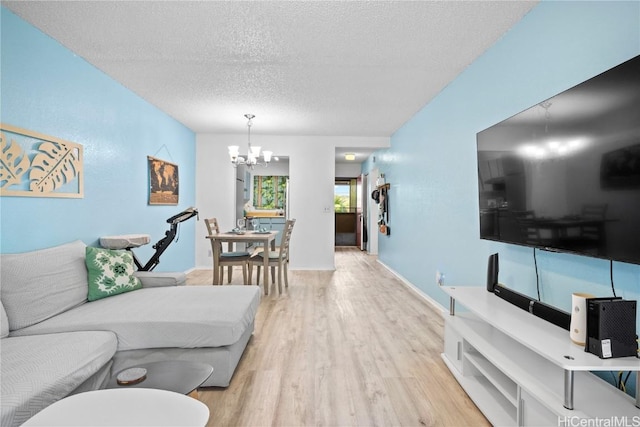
164	187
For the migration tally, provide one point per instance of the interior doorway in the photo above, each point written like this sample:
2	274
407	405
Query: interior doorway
346	212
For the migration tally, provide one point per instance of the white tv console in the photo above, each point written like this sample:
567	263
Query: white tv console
522	370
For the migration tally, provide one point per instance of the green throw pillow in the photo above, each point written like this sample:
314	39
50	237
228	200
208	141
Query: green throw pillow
110	272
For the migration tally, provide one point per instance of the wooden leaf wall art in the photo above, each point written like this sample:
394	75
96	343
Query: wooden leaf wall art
37	165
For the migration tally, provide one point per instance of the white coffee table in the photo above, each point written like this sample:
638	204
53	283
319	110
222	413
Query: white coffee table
123	407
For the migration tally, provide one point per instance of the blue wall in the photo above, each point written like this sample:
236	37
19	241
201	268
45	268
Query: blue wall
48	89
431	164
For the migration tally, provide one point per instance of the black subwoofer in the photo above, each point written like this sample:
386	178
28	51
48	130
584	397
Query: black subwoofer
611	327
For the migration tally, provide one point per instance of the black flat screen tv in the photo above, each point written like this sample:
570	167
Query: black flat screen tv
564	175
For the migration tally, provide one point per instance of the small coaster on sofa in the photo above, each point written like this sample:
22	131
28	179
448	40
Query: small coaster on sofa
131	376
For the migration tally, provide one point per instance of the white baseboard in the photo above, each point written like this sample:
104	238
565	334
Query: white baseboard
436	305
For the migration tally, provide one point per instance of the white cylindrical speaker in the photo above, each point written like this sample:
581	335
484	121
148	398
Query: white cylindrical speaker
578	328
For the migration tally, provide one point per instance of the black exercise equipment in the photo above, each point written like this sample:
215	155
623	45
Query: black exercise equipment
168	238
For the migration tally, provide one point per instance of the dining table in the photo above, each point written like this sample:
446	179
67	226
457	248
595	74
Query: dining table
266	238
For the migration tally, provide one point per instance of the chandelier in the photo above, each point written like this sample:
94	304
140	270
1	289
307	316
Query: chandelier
253	154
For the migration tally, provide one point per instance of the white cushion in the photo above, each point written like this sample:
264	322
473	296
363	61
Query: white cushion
151	279
175	316
4	322
40	284
37	371
124	241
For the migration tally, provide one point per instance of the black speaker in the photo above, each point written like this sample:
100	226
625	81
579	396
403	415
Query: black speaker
544	311
516	298
611	327
551	314
492	272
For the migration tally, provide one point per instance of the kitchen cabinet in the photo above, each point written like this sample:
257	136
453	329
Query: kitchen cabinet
273	223
270	222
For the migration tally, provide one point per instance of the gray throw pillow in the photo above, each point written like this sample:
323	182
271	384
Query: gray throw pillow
38	285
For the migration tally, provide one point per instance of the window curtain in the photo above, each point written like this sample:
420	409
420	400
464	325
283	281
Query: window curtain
269	192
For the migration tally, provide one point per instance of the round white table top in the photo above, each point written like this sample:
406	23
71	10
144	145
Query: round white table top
123	407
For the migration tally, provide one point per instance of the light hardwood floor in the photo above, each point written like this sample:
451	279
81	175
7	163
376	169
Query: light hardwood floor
351	347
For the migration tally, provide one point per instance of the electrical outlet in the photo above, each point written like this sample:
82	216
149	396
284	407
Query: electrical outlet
439	278
210	254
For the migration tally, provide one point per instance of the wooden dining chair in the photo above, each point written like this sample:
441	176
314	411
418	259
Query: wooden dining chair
227	259
592	236
529	231
278	259
597	213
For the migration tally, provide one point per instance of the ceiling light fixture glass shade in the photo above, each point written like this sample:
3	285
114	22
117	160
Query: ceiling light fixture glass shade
350	156
253	152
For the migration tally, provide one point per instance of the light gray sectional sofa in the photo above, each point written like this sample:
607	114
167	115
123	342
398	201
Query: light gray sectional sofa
56	343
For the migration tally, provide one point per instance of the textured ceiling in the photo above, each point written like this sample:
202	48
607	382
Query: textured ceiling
302	67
